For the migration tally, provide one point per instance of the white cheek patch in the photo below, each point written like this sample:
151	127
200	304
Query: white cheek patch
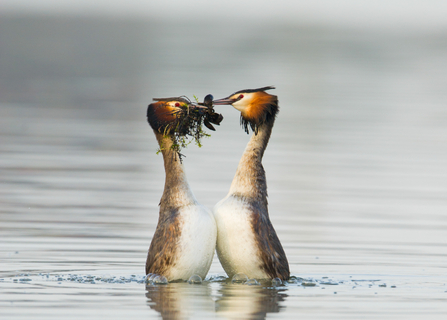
243	104
239	107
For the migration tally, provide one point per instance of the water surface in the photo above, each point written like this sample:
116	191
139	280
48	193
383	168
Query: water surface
356	167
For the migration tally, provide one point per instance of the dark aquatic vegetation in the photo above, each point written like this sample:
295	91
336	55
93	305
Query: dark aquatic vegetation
212	117
189	117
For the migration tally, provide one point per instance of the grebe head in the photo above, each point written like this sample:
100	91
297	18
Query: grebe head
256	106
166	114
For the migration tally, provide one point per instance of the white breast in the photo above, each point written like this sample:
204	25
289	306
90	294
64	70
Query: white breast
236	245
196	244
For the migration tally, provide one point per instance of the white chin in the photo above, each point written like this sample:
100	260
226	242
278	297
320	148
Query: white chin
239	107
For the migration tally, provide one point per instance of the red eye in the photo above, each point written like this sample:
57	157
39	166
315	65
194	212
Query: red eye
240	97
177	104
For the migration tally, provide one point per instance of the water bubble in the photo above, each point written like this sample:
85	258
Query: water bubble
252	282
195	279
160	280
276	282
292	281
152	277
239	278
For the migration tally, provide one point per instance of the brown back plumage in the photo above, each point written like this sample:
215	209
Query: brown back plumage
163	248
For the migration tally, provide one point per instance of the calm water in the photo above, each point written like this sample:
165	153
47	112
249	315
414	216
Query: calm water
356	166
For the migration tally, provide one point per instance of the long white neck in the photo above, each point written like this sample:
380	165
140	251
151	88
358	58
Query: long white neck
249	181
177	192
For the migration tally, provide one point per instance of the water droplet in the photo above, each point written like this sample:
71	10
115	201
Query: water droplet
252	282
297	279
150	278
160	280
292	281
195	279
239	278
147	277
276	282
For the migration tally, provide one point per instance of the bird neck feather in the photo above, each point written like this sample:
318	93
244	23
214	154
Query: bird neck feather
177	192
250	181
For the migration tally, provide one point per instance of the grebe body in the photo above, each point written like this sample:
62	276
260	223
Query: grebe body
185	238
246	240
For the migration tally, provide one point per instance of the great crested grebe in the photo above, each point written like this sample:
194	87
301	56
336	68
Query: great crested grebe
184	241
246	240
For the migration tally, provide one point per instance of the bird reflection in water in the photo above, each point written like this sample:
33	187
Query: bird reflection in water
180	300
224	300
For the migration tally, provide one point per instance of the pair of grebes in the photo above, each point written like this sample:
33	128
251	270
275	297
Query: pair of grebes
238	228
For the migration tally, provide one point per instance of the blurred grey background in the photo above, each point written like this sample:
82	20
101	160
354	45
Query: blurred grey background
358	153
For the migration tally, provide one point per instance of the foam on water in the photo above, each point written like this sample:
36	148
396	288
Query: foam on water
155	279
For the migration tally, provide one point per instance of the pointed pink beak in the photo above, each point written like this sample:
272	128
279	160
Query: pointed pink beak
224	101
